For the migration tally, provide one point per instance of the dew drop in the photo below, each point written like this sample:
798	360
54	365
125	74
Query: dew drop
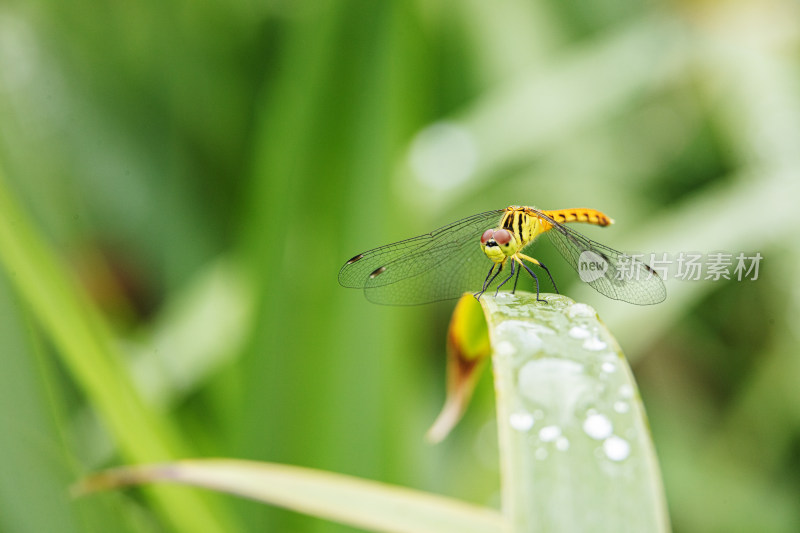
540	453
533	342
626	391
549	433
594	344
562	443
504	348
608	367
552	382
597	426
521	421
616	448
621	407
578	332
581	310
522	333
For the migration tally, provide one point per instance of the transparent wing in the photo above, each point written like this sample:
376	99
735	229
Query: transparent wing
625	279
440	265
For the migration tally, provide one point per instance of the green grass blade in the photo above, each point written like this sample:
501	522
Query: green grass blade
88	350
367	504
576	452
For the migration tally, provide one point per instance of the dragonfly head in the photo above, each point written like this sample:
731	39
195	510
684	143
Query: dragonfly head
499	244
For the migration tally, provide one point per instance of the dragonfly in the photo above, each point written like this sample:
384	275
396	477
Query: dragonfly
453	259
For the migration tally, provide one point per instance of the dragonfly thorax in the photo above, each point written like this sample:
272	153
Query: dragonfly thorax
499	244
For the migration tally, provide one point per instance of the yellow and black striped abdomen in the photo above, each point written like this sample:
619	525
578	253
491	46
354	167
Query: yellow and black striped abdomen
581	214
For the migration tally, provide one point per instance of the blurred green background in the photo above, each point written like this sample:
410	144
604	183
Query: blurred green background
203	169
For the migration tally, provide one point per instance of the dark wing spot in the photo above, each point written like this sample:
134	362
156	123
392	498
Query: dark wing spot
652	272
377	272
354	259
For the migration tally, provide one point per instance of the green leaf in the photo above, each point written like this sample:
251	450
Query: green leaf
353	501
575	448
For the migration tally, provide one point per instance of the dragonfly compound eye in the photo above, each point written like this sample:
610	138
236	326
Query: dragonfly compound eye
486	235
502	237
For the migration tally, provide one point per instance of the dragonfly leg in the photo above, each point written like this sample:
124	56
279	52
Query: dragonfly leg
488	281
505	280
515	281
534	278
553	281
539	263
